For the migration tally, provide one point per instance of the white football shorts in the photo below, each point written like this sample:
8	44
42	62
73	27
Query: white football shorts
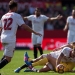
9	49
71	36
36	39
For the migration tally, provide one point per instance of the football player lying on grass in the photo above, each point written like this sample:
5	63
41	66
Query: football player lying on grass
66	57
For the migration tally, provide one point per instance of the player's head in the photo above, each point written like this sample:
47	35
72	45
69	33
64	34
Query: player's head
73	51
37	11
73	13
13	5
73	45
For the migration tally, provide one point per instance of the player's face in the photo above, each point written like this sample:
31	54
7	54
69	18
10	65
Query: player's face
73	13
37	12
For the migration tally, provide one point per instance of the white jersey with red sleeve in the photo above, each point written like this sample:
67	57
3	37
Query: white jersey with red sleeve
38	22
71	22
9	24
71	30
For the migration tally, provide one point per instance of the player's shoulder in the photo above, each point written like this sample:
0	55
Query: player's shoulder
12	13
66	48
70	17
17	15
31	15
43	15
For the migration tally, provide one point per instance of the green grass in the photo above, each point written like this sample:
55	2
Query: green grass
17	61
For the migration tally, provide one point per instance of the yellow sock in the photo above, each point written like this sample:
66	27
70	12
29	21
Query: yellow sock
40	62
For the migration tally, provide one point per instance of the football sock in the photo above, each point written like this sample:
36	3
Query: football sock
40	49
35	52
23	66
40	62
3	63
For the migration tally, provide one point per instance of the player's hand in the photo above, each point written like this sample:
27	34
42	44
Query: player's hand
59	17
38	34
64	29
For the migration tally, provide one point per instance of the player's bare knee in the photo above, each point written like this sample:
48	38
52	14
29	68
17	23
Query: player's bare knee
8	59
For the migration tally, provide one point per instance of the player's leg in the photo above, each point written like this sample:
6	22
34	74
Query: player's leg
52	60
20	68
46	68
39	42
38	61
34	39
8	53
69	37
41	60
26	57
35	51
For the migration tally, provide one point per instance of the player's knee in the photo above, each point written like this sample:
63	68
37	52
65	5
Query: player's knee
8	59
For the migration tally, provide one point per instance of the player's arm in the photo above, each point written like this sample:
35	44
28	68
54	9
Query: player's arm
66	26
55	18
25	18
66	45
26	27
59	59
21	23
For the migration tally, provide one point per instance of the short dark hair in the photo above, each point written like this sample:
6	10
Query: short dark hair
12	4
37	8
73	43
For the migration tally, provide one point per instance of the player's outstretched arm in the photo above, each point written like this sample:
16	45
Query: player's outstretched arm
26	27
56	18
66	45
25	18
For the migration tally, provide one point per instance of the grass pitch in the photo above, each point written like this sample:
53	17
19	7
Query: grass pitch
17	61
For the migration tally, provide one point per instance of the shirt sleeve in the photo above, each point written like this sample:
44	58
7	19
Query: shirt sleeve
20	20
45	18
30	17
